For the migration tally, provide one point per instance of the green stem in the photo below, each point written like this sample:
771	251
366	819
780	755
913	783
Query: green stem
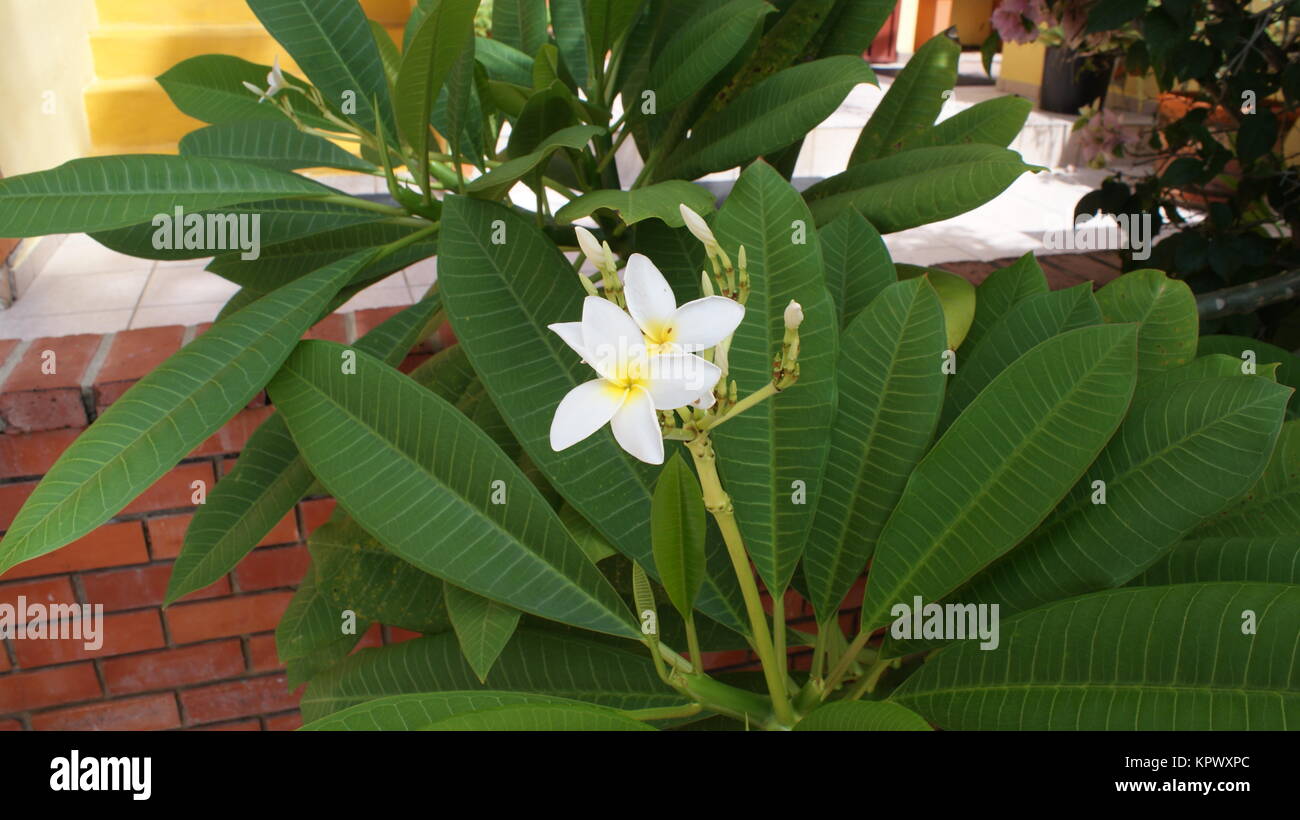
409	239
868	681
355	202
744	404
846	660
819	648
664	712
718	503
693	643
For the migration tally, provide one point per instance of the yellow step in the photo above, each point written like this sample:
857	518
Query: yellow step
134	111
222	12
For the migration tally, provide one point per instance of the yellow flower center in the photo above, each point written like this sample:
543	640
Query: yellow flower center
659	337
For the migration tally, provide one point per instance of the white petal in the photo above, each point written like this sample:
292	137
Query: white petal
705	402
703	323
609	336
636	427
571	333
589	245
583	411
677	379
649	298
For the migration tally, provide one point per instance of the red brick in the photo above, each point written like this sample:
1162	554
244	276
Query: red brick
138	587
333	328
974	272
284	723
167	533
32	454
271	568
136	714
225	701
262	654
244	615
52	591
316	512
174	667
31	400
12	498
253	725
112	545
173	489
413	361
134	353
121	635
5	665
234	435
371	318
10	726
47	687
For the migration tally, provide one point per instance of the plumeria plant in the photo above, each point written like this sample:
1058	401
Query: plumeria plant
1065	517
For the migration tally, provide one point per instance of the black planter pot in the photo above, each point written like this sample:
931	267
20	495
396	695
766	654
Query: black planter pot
1070	83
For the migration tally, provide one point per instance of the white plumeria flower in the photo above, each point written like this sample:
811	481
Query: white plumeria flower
275	82
633	383
696	325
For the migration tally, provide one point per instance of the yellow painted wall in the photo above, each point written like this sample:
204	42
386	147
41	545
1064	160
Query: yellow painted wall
971	17
45	60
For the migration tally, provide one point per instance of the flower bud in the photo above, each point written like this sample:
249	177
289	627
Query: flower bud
590	245
793	315
699	228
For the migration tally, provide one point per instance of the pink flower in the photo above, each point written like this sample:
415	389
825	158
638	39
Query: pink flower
1017	20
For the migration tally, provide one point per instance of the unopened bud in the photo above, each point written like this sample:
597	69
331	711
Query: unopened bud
793	315
589	244
699	229
706	284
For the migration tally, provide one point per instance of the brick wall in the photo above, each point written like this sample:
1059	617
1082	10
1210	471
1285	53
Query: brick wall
206	662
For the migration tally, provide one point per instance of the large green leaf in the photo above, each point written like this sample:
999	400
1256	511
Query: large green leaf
98	193
356	573
862	716
890	393
607	21
310	637
211	88
852	29
776	449
769	116
421	477
520	23
1264	353
912	101
1029	322
165	415
992	122
659	201
1149	658
500	298
918	187
677	526
1004	288
956	297
1272	559
1166	310
1175	459
278	145
542	717
333	45
1272	506
404	713
702	47
445	32
569	24
482	626
535	661
1003	465
858	265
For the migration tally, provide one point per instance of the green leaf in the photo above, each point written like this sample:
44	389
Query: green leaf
310	638
1004	288
607	20
542	717
1003	465
280	219
447	29
332	44
98	193
278	145
1166	310
767	117
1272	506
211	88
852	30
890	392
1174	460
956	296
1030	321
1150	658
356	573
1271	559
404	713
503	63
417	489
706	42
858	265
862	716
165	415
569	24
541	662
992	122
497	182
770	452
912	101
659	201
587	536
677	530
500	297
919	186
388	53
520	23
482	626
1264	353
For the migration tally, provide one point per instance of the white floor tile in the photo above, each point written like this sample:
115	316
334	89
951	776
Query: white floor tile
51	295
384	294
67	324
80	255
160	315
185	285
